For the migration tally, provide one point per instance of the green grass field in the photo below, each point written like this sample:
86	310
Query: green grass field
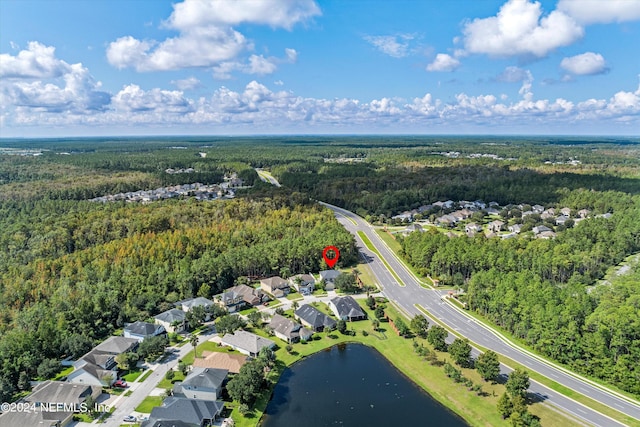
149	403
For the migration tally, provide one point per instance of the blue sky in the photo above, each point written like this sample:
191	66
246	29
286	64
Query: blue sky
121	67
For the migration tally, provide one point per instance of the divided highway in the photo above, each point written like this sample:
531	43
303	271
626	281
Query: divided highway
412	294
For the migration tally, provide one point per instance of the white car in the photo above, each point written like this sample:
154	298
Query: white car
130	419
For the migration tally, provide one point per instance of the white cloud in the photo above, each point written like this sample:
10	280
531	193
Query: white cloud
73	101
276	13
519	29
205	34
256	64
132	99
200	47
443	62
396	46
35	79
37	61
189	83
599	11
588	63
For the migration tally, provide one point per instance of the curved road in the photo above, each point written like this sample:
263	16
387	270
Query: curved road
412	294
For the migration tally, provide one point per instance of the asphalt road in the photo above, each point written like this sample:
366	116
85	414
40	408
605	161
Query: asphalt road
412	294
126	405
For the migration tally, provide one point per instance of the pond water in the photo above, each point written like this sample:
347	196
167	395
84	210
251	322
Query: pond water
352	386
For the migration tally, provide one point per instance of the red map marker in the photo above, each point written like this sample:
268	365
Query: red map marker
331	261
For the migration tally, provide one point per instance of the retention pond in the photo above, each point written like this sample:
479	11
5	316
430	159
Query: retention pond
352	385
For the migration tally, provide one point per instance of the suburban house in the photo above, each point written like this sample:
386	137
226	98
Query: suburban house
201	383
446	220
188	304
411	228
173	320
98	367
565	211
217	360
239	296
537	209
276	286
562	219
462	214
329	277
304	283
288	330
515	228
142	330
62	392
246	342
540	229
313	318
546	235
472	227
495	226
180	411
36	419
346	308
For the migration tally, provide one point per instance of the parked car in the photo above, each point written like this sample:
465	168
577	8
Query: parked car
130	419
120	384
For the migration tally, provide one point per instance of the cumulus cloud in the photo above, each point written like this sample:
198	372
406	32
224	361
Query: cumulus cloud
396	46
206	36
588	63
133	99
598	11
520	29
37	61
35	79
443	62
73	100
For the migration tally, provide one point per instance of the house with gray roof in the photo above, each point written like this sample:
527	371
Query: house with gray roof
288	330
173	320
98	367
413	228
35	418
141	330
201	383
304	283
346	308
246	342
541	229
329	277
116	345
314	319
180	411
188	304
62	392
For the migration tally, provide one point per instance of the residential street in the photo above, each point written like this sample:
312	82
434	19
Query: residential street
125	405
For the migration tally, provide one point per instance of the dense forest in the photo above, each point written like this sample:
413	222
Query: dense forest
73	271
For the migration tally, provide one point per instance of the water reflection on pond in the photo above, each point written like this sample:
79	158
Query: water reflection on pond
351	385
